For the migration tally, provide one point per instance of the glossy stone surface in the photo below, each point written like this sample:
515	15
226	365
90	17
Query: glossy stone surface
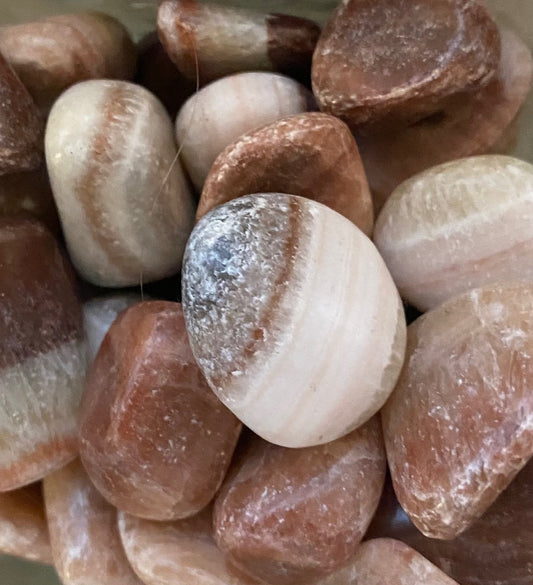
83	531
459	226
210	41
23	528
289	516
20	124
52	54
313	155
223	110
495	550
384	62
42	355
459	425
484	122
383	561
292	317
177	553
153	437
125	206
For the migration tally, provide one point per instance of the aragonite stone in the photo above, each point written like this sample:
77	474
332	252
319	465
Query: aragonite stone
313	155
458	226
223	110
292	317
459	424
153	437
83	531
183	552
23	528
98	316
495	550
289	516
385	62
484	122
124	203
383	561
42	355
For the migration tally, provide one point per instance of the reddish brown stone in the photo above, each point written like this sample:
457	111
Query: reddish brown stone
83	531
313	155
42	355
153	437
288	516
459	424
384	62
23	528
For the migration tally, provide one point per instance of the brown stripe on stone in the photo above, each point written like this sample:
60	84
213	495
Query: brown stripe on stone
99	160
39	309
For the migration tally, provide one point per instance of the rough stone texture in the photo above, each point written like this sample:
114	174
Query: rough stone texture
459	226
289	516
313	155
20	124
483	122
495	550
124	204
208	41
83	531
153	437
23	528
459	424
42	355
177	553
292	317
52	54
223	110
384	561
386	62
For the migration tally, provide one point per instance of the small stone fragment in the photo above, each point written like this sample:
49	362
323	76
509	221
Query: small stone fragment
42	355
290	516
223	110
20	124
384	561
484	122
390	63
154	439
124	203
459	424
292	317
459	226
23	528
83	531
208	41
52	54
313	155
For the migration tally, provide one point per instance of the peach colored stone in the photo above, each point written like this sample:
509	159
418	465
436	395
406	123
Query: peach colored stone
83	531
459	425
290	516
153	437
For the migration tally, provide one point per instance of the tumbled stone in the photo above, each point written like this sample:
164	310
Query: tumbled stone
292	317
85	540
387	62
383	561
153	437
289	516
495	550
23	528
183	552
484	122
459	424
313	155
459	226
42	355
